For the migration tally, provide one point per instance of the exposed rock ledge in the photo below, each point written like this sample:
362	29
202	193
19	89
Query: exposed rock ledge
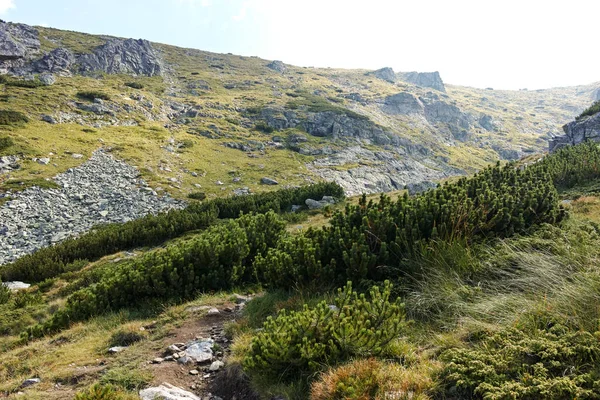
587	128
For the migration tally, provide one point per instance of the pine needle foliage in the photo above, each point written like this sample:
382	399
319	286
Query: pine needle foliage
307	341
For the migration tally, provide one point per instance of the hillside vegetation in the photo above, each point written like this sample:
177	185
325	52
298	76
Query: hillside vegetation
459	292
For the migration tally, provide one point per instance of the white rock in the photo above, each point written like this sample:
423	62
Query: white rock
216	365
116	349
16	285
77	156
167	391
200	351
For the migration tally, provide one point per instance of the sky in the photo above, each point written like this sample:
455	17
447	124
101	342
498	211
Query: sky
506	44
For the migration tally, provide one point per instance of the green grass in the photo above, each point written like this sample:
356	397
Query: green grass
22	184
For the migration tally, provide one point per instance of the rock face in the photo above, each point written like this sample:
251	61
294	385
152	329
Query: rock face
167	391
403	103
277	66
424	79
20	48
386	74
102	190
588	128
118	56
18	42
596	95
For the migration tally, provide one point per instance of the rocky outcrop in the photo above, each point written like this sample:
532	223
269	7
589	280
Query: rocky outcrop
18	43
59	61
102	190
166	391
382	171
119	56
386	74
587	128
431	80
596	95
277	66
487	122
403	103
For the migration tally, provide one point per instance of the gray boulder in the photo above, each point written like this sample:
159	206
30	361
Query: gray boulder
17	42
386	74
16	285
200	351
30	382
58	61
587	128
47	79
424	79
268	181
487	122
166	391
403	103
317	204
277	66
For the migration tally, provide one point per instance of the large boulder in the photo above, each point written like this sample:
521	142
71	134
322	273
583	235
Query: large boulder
584	129
277	66
166	391
403	103
431	80
118	56
386	74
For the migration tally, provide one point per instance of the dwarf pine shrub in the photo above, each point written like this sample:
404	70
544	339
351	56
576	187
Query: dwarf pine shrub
306	341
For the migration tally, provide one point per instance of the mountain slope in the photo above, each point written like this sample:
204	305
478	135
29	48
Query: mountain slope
176	113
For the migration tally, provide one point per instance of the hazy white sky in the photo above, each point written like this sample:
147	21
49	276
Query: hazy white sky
505	44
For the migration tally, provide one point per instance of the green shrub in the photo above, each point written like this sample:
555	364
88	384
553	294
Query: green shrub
125	338
4	293
308	341
134	85
8	117
218	258
551	362
92	94
5	142
197	196
102	392
591	110
32	84
126	378
263	127
155	229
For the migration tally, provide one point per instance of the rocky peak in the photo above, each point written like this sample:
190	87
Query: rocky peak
277	66
431	80
18	42
119	56
386	74
587	128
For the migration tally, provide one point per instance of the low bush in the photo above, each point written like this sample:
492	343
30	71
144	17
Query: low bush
548	362
197	196
4	293
591	110
373	379
125	338
134	85
263	127
92	94
303	342
103	392
31	84
152	230
8	117
126	378
5	143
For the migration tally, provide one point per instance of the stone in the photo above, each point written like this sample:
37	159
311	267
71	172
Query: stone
200	351
314	204
77	156
166	391
578	131
116	349
296	207
194	372
16	285
47	79
174	349
212	311
277	66
30	382
268	181
158	360
431	80
216	365
386	74
43	161
239	299
49	119
415	188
